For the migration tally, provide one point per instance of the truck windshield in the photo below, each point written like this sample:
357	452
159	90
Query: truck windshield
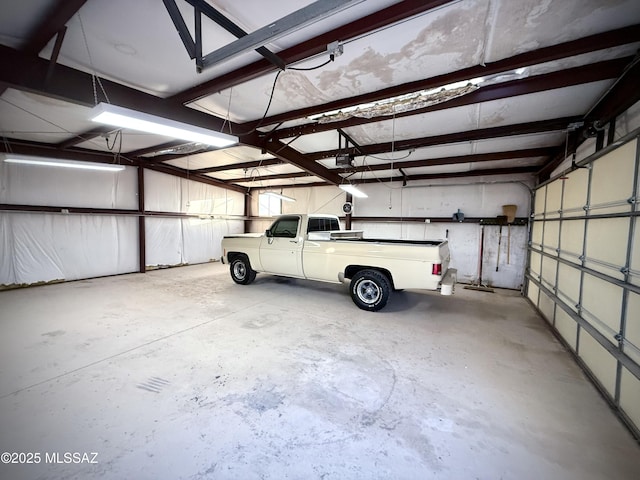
323	224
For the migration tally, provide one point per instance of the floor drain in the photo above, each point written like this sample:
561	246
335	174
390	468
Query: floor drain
153	384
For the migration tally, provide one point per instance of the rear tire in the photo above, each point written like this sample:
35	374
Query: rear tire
241	271
370	290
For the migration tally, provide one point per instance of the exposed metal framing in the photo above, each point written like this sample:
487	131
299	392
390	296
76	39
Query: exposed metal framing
194	47
59	210
142	244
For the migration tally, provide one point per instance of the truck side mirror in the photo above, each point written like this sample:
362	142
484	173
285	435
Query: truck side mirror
268	233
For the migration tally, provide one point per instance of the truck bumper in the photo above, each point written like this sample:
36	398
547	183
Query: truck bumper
448	281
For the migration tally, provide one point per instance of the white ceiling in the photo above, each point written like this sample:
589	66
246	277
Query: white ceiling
136	45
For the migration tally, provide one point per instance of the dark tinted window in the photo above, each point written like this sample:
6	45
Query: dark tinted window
286	227
323	224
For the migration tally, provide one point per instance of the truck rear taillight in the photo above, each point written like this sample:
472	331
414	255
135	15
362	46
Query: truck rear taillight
436	269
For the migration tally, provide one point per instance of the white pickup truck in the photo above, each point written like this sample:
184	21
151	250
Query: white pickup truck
313	247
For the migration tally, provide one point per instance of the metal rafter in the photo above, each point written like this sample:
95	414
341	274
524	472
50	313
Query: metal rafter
46	150
385	17
242	166
563	50
457	137
51	23
284	152
401	165
564	78
29	73
234	29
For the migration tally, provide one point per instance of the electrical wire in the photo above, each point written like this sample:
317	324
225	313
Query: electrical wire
299	69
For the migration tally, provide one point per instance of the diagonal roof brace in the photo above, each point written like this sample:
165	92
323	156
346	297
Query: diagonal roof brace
284	26
194	47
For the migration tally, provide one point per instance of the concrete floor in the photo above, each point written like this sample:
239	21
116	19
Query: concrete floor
182	374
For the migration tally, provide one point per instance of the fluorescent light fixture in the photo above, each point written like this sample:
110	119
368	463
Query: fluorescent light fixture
353	190
144	122
50	162
280	196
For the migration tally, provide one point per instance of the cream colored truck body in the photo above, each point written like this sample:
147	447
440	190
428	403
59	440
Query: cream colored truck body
311	247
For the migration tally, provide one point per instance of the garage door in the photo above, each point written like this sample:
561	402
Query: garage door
584	269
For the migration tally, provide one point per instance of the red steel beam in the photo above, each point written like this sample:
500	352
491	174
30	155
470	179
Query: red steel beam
466	136
538	83
591	43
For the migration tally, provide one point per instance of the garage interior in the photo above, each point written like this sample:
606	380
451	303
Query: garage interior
409	120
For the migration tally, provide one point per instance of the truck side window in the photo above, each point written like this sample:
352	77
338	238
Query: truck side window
322	225
286	227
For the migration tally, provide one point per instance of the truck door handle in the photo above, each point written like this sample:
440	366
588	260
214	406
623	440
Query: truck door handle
293	241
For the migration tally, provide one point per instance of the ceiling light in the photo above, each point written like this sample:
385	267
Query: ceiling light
353	190
49	162
144	122
280	196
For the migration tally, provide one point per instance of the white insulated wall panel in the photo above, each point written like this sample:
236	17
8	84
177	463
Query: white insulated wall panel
163	237
65	187
43	248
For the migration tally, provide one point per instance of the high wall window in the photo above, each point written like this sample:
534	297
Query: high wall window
269	206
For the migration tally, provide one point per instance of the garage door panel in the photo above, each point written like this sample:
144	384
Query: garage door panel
572	239
607	245
554	199
601	363
540	201
575	193
549	266
532	293
536	263
603	304
536	233
632	328
551	236
635	254
546	306
569	285
567	327
630	396
612	180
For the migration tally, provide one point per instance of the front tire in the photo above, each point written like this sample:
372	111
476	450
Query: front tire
370	290
241	271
